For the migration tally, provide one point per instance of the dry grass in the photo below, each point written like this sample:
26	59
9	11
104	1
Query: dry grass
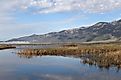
103	55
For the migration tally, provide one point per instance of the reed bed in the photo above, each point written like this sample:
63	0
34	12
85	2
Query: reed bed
102	55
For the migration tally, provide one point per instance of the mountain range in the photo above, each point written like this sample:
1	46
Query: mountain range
101	31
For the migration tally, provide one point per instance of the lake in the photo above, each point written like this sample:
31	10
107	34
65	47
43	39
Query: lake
14	67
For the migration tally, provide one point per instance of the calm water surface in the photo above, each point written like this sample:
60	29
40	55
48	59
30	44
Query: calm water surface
13	67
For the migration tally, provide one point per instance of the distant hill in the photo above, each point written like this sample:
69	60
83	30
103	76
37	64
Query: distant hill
101	31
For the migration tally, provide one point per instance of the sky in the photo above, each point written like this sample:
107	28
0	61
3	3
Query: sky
26	17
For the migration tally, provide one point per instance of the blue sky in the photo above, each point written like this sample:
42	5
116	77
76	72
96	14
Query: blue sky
26	17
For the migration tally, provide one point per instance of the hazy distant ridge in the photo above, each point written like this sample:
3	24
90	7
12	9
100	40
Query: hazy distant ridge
97	32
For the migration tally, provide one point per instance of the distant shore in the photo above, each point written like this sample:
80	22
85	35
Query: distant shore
5	46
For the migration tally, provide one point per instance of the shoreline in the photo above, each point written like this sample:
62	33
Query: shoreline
5	46
102	55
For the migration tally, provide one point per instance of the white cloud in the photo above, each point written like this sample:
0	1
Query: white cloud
50	6
55	77
8	7
6	10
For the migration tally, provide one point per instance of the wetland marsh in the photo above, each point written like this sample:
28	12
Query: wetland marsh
68	62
